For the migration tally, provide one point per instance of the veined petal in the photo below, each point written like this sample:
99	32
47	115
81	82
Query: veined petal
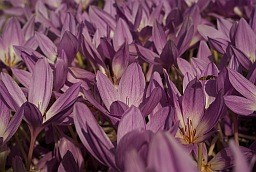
63	101
151	101
107	91
40	88
13	125
131	120
4	116
240	105
47	46
242	85
158	37
132	85
23	76
13	89
122	34
193	102
85	123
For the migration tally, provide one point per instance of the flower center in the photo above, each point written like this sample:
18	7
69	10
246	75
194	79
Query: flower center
188	132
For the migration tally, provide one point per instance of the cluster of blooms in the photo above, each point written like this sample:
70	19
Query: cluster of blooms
136	85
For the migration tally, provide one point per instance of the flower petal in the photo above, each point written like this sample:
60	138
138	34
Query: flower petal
132	119
40	88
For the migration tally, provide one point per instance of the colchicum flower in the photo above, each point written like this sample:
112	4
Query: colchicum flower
196	123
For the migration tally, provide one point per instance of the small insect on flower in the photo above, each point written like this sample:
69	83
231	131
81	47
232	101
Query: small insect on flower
208	77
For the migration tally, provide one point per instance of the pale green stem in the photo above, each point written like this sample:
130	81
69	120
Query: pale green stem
200	156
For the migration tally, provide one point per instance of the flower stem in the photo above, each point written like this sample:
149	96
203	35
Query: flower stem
200	156
235	120
31	149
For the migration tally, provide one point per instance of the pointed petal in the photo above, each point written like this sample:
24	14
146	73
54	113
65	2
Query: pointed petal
122	34
120	61
42	77
147	55
12	33
211	116
185	67
193	102
169	54
88	129
47	46
204	52
132	85
185	35
242	58
131	120
64	101
91	99
151	101
158	37
245	39
107	91
13	125
240	105
13	89
242	85
69	44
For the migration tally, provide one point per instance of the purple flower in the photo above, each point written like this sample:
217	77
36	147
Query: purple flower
196	123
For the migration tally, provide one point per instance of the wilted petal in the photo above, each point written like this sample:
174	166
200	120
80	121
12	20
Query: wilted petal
132	119
170	156
132	85
42	77
240	105
107	91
